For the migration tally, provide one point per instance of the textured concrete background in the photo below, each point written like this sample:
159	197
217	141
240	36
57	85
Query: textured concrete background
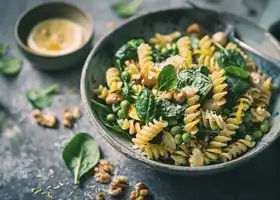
30	156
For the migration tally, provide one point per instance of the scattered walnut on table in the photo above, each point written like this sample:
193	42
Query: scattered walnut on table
117	186
100	196
140	193
47	120
69	115
103	171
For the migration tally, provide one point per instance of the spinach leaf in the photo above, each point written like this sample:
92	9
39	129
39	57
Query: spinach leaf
167	109
236	88
237	71
115	107
145	105
167	78
101	106
41	98
195	78
128	50
10	66
127	92
203	132
126	8
80	155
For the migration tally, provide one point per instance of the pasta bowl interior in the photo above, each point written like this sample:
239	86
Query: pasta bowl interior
184	100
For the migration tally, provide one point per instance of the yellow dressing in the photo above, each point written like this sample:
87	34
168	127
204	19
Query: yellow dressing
55	37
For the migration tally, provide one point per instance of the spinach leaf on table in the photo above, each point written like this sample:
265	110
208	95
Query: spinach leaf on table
126	8
41	98
145	105
168	109
3	50
167	78
10	66
127	51
80	155
196	78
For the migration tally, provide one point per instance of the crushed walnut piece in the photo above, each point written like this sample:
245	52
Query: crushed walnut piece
194	29
140	192
47	120
103	171
69	115
100	196
117	186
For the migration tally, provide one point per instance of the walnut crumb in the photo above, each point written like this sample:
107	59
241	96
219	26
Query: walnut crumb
103	171
140	193
47	120
100	196
69	115
117	186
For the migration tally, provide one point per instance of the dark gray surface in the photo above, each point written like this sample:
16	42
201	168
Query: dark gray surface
30	156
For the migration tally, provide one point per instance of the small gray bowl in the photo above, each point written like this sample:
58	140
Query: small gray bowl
46	11
166	21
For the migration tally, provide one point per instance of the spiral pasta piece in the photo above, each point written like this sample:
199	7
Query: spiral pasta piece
185	51
207	54
132	113
211	120
219	88
136	88
162	39
155	151
192	113
237	148
259	114
131	125
113	79
149	131
133	69
103	92
179	157
196	158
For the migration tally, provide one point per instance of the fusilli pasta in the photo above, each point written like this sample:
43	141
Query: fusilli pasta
113	79
185	51
131	125
155	152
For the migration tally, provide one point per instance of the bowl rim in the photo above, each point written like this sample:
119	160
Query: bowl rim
28	10
207	169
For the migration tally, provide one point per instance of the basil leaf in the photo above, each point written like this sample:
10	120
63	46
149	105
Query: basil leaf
127	51
80	155
237	71
236	88
145	105
41	98
126	8
167	78
195	78
167	109
231	57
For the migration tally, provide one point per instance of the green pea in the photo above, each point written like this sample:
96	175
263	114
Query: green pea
247	118
121	114
125	105
176	130
172	122
186	137
111	117
265	126
157	47
125	75
257	134
164	50
178	139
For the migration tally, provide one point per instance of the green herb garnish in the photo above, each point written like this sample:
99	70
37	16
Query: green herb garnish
146	105
167	78
41	98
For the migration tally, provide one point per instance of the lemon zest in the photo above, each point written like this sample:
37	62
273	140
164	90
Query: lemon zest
239	112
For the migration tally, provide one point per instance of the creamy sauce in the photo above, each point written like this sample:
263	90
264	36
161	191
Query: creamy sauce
56	37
